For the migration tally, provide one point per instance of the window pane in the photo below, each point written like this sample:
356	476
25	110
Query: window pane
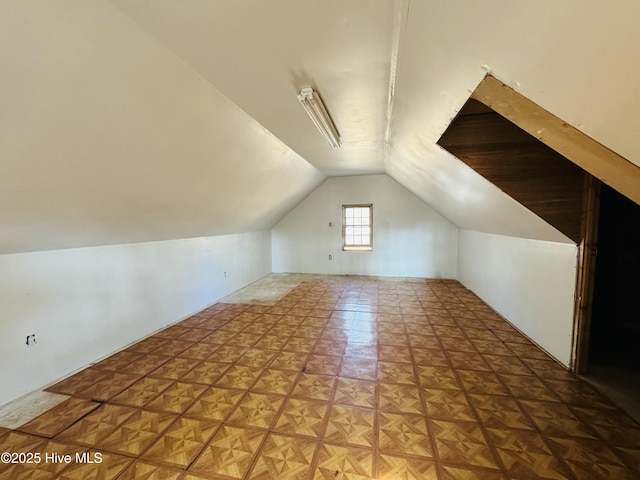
357	227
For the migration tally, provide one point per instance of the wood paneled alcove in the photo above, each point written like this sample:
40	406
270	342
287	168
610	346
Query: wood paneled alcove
519	164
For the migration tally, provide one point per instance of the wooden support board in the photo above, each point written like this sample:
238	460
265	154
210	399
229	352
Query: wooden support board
595	158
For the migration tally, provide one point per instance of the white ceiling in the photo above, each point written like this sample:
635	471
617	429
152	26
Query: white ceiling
261	54
137	120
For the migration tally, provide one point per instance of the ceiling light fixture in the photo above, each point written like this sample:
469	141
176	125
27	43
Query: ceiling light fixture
318	114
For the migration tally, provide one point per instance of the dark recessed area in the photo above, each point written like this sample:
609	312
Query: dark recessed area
532	173
615	325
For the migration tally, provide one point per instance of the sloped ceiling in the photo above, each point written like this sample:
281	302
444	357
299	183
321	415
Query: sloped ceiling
576	59
137	120
260	54
107	137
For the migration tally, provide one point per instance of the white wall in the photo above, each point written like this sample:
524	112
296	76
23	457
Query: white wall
529	282
86	303
410	238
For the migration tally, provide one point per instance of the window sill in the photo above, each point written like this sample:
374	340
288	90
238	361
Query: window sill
357	249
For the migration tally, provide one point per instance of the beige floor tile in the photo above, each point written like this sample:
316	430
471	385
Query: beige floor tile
179	445
256	410
230	453
403	434
284	457
350	425
144	470
274	381
399	398
95	426
447	405
177	398
142	392
394	467
59	417
462	443
397	373
136	434
498	411
315	387
525	453
351	391
343	462
105	466
302	417
215	403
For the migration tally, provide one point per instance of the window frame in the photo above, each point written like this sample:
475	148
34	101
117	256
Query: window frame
356	247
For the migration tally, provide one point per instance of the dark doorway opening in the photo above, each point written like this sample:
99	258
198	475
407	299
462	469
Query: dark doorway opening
613	363
614	339
607	340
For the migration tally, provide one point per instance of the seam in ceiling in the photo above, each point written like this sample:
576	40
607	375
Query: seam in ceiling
399	27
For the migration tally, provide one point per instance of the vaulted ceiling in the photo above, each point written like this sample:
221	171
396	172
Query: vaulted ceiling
135	120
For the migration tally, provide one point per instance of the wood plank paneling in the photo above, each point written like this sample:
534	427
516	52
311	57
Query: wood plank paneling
532	173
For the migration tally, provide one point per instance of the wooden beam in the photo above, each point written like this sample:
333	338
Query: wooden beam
586	275
604	164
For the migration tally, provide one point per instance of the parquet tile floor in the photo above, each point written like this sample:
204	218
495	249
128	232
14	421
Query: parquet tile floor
345	378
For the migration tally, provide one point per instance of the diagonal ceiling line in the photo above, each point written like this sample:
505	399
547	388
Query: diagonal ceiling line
196	71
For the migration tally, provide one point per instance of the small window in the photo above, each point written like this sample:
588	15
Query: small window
357	227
